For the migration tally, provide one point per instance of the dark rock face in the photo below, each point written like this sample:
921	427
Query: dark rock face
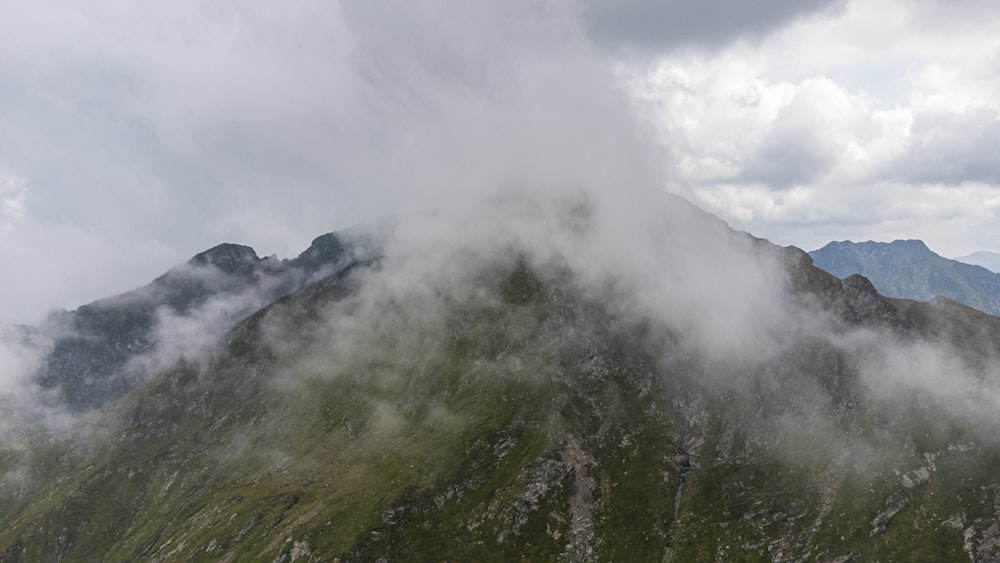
93	345
98	340
860	303
230	258
907	269
325	250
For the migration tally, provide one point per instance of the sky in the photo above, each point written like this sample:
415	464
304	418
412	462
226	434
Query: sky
133	136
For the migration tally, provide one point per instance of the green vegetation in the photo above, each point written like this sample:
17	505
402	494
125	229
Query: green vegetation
522	423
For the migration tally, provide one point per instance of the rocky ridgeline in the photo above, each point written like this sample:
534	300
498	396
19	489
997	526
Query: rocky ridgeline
97	350
907	269
528	421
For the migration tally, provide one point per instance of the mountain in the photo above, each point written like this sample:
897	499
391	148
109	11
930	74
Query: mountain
103	349
499	404
908	269
986	259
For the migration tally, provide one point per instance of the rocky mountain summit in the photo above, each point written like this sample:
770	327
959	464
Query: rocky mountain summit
907	269
395	409
97	350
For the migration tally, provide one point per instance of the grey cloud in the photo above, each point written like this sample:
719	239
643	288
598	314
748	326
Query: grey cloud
664	24
789	156
801	144
170	114
186	124
488	129
191	335
951	148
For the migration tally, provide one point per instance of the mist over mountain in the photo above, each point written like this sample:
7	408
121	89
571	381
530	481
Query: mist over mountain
100	351
528	351
549	381
908	269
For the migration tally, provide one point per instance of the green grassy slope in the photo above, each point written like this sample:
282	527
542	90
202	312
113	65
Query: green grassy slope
516	420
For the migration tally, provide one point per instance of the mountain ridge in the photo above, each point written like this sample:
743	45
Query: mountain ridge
984	258
909	269
508	411
95	347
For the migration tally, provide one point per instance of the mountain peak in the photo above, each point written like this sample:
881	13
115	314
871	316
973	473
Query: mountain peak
910	244
228	257
908	269
512	413
326	249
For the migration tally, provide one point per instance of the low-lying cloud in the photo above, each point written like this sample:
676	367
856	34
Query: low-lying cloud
526	145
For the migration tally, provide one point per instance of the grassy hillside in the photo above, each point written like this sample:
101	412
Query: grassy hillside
513	419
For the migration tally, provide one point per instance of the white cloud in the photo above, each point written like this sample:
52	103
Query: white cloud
881	118
12	202
50	265
149	133
181	124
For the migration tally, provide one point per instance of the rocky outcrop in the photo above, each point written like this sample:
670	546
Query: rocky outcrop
893	505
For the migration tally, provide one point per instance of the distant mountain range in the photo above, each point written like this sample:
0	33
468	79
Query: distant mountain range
988	260
907	269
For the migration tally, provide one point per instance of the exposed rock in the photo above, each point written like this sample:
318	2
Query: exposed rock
300	549
988	547
967	546
918	477
859	303
957	522
543	477
893	505
230	258
580	541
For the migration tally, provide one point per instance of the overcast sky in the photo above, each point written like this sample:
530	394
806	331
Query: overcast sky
134	135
